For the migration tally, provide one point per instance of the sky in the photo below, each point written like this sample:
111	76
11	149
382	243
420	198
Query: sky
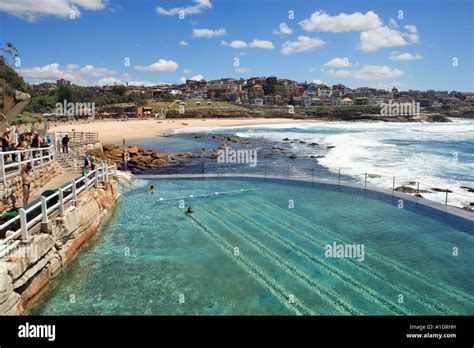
408	44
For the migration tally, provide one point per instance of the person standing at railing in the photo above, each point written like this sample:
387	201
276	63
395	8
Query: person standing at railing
7	141
65	142
26	181
35	143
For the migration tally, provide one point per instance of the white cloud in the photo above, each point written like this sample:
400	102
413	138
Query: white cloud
32	10
209	33
71	72
161	65
235	44
312	69
411	28
283	29
182	80
404	56
265	44
338	63
380	37
90	70
186	71
369	72
302	44
197	77
183	43
109	81
144	83
321	21
317	81
413	38
256	43
199	7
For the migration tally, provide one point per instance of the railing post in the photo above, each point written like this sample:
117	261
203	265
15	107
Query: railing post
74	192
96	177
313	175
106	172
365	183
24	227
61	202
44	209
18	157
32	159
393	184
417	190
265	170
288	172
2	164
446	201
339	178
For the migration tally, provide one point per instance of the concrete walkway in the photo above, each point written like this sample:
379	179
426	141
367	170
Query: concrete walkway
65	177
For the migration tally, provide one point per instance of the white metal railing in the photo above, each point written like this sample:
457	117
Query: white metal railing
76	138
41	211
11	162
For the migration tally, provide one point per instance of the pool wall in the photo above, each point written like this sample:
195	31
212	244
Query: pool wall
27	271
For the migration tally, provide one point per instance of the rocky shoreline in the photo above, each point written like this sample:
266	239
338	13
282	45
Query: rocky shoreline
29	269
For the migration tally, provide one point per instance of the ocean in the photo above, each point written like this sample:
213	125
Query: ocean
435	155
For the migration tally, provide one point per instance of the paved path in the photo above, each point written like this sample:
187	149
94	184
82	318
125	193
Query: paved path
65	177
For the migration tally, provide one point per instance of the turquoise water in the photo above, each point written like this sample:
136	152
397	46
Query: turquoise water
151	258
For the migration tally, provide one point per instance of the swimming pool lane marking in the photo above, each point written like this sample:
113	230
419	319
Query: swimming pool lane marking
301	276
258	274
438	285
214	194
357	286
450	291
426	301
365	268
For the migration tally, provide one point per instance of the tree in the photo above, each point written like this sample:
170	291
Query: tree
7	74
65	94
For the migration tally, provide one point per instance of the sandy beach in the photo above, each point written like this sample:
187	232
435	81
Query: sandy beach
114	131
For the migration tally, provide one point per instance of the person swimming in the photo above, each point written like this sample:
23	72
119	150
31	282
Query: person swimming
189	211
152	188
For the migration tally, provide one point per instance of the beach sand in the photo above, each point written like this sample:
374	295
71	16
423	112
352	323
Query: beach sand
114	131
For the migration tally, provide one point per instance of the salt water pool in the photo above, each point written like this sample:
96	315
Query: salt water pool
261	249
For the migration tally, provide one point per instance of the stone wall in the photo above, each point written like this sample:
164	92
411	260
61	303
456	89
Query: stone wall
12	192
29	269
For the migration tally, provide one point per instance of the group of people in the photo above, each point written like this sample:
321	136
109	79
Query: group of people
26	140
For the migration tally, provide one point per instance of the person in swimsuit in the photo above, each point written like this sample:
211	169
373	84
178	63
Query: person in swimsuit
26	180
189	211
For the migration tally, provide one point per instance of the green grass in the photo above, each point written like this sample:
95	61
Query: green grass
192	105
28	117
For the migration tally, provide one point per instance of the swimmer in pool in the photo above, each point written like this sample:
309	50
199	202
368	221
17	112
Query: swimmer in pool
152	188
189	211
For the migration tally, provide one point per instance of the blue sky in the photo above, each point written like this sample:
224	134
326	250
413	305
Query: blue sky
357	43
